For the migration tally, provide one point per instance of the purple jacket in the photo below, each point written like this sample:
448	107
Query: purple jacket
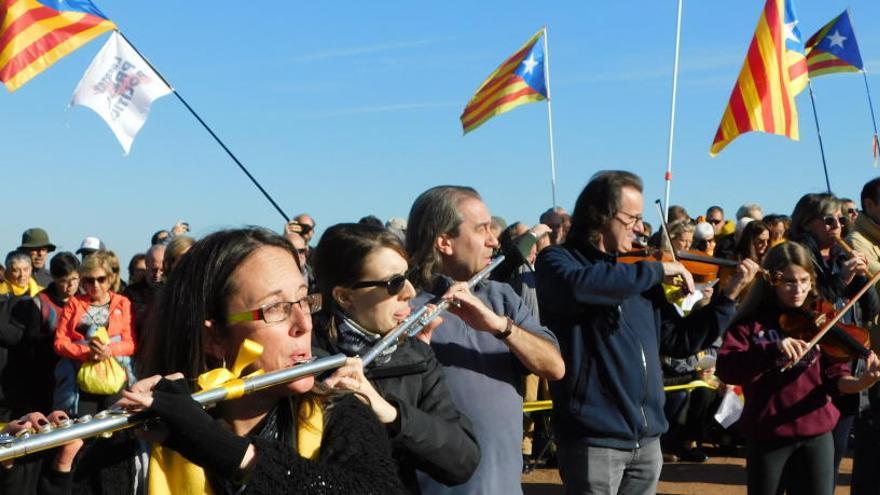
795	403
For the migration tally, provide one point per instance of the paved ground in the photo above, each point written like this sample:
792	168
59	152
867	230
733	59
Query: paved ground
719	476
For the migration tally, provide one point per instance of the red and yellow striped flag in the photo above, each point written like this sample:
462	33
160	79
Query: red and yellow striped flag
773	72
35	34
517	81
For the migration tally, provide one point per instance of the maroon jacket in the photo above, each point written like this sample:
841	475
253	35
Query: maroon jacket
795	403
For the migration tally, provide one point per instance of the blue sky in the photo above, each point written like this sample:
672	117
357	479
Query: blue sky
343	109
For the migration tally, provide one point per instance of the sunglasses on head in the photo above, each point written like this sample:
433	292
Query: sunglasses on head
831	220
91	280
393	285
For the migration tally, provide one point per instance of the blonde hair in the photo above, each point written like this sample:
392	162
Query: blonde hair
103	260
174	251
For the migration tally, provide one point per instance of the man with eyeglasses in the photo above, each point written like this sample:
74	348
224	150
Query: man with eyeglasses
613	322
35	242
488	340
715	216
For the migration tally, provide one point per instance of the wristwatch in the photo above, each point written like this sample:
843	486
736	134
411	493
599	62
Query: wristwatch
507	330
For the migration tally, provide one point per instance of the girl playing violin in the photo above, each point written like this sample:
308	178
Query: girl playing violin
817	223
788	415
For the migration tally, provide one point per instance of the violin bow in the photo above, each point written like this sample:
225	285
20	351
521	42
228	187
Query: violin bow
833	321
665	229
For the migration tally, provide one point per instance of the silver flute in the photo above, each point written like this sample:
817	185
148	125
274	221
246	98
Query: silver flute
417	321
109	421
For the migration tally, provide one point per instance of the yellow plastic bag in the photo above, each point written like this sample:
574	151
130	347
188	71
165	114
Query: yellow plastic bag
102	377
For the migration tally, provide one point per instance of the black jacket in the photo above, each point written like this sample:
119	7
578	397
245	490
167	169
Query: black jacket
613	323
430	434
355	457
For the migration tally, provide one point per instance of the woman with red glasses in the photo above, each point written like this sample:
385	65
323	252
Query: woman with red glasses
77	341
361	271
817	223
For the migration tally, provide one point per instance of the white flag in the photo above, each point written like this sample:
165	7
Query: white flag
120	87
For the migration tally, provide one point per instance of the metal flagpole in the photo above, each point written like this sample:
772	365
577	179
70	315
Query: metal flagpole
819	133
876	142
668	175
549	117
207	128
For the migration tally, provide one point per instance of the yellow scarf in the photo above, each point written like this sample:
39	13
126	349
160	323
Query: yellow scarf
32	288
171	474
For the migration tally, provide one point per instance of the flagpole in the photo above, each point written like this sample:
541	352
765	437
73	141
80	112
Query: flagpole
864	72
549	117
870	107
819	133
207	128
668	176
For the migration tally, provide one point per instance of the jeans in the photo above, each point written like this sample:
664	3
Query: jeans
809	463
599	470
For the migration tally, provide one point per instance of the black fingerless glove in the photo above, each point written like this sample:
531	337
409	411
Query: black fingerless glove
194	433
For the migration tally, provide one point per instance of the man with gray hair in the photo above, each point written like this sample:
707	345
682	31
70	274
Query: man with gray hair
488	342
751	210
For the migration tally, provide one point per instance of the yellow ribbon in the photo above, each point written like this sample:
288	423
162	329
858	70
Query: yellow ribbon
232	381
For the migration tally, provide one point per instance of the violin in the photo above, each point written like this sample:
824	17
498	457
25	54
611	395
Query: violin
842	342
704	268
831	318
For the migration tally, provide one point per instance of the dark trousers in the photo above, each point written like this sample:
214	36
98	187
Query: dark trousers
866	459
841	440
809	461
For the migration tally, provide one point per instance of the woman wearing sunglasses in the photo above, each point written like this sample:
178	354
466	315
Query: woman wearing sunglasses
817	223
77	339
361	271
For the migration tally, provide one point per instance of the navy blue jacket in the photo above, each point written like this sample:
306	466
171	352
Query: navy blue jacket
613	323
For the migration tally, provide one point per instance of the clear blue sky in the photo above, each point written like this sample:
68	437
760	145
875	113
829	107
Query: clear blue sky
344	109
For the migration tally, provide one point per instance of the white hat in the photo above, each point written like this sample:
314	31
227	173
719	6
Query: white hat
90	245
704	231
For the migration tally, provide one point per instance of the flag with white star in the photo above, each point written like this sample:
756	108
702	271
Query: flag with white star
834	48
517	81
773	72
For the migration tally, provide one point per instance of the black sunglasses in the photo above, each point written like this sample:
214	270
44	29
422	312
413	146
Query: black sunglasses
714	221
91	280
830	220
393	285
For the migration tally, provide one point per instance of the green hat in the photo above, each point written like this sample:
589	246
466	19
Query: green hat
35	238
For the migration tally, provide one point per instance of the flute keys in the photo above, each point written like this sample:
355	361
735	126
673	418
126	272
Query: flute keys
46	428
27	433
85	418
65	423
6	440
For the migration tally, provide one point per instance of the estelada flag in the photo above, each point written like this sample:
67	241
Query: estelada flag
35	34
834	48
773	72
120	86
517	81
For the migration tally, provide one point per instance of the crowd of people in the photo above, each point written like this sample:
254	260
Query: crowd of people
614	321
